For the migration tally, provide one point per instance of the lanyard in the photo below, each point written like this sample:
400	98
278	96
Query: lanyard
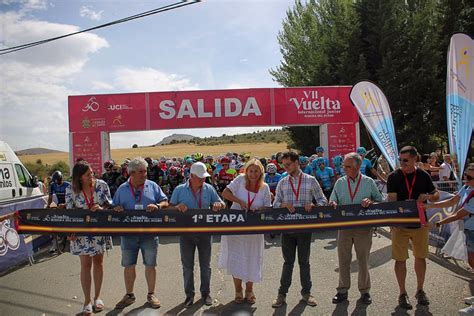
410	188
296	192
198	202
466	200
250	202
356	188
90	202
133	191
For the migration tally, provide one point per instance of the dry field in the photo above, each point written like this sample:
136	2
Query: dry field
175	150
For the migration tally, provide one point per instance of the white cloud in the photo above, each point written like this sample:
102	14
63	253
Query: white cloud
35	81
150	79
87	12
100	85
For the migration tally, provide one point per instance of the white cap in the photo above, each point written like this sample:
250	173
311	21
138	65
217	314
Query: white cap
199	169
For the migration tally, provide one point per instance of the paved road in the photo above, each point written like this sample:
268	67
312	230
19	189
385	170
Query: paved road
52	287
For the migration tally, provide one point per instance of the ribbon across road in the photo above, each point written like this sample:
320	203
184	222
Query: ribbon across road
225	222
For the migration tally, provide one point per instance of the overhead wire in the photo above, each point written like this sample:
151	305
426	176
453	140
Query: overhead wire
169	7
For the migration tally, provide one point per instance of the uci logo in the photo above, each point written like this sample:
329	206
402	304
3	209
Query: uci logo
91	105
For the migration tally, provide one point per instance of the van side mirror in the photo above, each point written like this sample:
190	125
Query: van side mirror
34	182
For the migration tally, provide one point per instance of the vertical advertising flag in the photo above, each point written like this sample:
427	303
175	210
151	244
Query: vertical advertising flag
374	111
460	98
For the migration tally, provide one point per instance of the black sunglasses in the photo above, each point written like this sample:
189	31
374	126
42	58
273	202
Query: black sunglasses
404	160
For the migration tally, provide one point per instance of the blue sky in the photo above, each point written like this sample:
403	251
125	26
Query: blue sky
215	44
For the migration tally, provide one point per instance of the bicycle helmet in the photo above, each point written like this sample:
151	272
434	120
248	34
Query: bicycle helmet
149	160
304	160
173	170
57	175
319	161
361	151
337	160
271	168
225	160
109	164
198	156
319	149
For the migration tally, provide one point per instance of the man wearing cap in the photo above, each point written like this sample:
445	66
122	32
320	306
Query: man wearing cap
196	194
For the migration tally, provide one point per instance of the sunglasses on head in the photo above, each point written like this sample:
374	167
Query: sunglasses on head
403	160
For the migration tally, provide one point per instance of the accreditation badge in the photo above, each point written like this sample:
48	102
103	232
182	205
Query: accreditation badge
139	206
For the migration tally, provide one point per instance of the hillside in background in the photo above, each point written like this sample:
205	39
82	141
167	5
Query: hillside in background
175	138
270	136
37	151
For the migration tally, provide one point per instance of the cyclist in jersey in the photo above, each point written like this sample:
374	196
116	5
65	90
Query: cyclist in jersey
338	168
210	169
325	176
272	177
320	154
304	165
124	174
154	172
58	187
187	168
367	168
110	176
174	179
226	175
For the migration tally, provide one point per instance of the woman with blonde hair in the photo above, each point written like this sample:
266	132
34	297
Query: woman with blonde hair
94	195
242	255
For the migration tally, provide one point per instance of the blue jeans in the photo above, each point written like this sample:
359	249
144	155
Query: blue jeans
289	244
187	247
130	246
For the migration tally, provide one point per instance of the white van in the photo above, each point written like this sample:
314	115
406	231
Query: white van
16	183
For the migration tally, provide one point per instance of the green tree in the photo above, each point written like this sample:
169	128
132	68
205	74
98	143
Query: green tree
320	45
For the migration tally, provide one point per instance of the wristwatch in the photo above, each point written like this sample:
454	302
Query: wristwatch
158	205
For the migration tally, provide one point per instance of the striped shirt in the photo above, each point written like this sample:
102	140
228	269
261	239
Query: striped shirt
367	189
309	190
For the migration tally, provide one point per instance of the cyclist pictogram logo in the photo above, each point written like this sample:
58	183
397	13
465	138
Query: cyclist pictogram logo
91	105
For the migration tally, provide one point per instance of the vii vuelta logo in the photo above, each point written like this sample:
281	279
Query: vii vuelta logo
91	105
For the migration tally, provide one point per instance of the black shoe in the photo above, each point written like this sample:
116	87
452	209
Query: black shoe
339	298
365	299
207	300
421	298
404	301
188	302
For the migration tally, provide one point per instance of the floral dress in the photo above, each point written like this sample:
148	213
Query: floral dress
89	245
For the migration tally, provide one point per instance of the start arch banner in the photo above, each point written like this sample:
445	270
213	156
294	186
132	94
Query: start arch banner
91	115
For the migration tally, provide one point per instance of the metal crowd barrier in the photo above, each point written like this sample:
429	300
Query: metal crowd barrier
447	186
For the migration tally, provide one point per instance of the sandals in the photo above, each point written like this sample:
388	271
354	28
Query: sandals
87	310
250	297
98	305
239	297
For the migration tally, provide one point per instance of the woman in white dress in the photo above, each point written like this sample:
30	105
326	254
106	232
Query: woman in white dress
93	194
242	255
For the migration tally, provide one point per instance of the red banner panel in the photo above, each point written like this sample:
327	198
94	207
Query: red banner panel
112	112
88	147
313	106
217	108
342	139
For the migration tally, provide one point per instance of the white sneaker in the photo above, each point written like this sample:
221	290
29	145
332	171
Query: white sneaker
469	300
467	311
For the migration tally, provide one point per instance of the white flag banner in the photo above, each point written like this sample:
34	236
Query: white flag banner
373	109
460	98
